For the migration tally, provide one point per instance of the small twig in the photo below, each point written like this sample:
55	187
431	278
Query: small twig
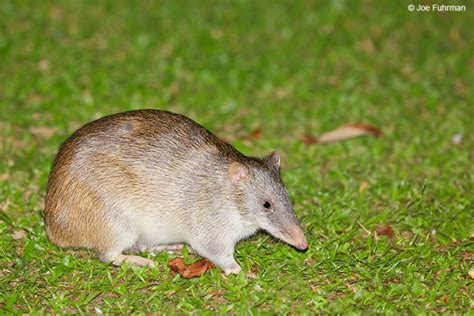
148	285
96	296
365	229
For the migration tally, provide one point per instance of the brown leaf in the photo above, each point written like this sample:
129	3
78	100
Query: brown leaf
349	131
309	139
177	265
42	131
254	135
372	130
198	268
471	274
364	185
385	230
4	176
444	300
18	234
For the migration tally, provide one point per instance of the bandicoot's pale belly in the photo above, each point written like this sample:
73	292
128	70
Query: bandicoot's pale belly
153	231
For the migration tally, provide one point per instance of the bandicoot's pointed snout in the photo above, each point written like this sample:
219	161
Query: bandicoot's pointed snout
296	238
302	245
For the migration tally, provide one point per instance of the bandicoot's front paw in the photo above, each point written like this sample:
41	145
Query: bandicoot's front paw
232	270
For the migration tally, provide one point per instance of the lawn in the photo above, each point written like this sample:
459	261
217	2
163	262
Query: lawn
389	220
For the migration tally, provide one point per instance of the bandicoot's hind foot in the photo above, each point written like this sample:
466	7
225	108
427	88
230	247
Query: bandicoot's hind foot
133	260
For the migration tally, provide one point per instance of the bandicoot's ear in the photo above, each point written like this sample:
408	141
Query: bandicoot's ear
237	172
273	160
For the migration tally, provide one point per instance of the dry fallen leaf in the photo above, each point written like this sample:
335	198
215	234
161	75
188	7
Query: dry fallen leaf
196	269
177	265
364	185
43	131
471	274
254	135
309	139
18	234
385	230
349	131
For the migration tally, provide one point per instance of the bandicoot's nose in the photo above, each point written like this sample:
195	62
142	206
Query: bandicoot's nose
297	238
302	245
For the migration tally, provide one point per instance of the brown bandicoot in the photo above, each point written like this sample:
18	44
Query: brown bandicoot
150	179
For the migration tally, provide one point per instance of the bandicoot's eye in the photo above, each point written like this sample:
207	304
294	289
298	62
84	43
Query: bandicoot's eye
267	205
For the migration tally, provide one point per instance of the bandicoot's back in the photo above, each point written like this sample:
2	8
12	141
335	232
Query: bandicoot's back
116	158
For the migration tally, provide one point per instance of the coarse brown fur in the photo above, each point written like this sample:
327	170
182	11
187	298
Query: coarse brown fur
148	177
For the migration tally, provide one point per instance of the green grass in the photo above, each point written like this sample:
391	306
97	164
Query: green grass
287	68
